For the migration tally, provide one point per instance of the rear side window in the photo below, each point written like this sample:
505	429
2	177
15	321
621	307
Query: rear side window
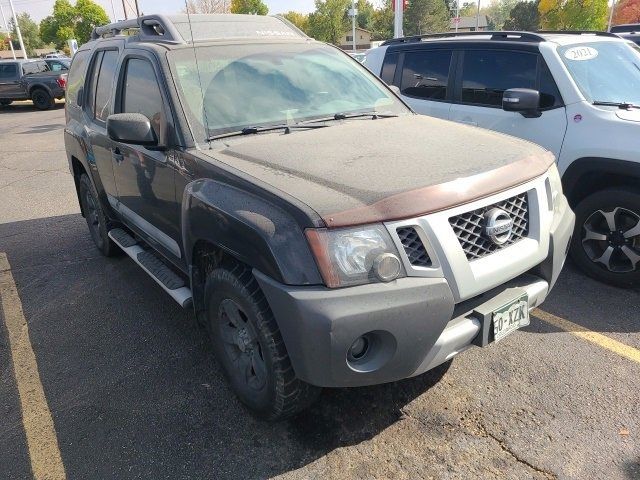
93	80
425	74
8	71
141	93
75	79
104	85
29	68
389	68
487	74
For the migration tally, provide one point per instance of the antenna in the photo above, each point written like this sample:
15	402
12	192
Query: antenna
195	56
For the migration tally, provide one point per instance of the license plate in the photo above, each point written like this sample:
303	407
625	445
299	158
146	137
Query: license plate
510	318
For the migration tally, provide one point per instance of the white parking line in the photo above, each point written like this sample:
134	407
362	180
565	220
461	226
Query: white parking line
44	453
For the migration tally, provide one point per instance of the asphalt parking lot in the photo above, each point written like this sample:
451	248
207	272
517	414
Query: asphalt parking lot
106	377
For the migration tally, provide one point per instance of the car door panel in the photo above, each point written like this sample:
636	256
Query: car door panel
10	85
145	177
484	75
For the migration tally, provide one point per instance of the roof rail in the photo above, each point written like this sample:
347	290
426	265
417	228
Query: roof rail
506	35
151	27
578	32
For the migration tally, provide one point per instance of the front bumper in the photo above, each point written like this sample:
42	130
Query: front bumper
414	322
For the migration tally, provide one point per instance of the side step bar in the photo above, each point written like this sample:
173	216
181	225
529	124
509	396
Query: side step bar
154	266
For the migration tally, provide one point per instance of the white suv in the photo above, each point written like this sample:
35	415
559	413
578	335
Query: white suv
576	94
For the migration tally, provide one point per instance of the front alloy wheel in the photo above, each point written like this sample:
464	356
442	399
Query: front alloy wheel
612	239
606	242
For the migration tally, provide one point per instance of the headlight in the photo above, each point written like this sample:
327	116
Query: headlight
354	256
554	186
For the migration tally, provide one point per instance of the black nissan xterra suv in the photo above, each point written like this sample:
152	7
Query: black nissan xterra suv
323	233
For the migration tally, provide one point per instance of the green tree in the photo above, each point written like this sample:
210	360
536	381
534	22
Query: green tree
365	14
30	34
300	20
69	21
523	16
426	16
251	7
498	12
469	9
329	22
382	24
573	14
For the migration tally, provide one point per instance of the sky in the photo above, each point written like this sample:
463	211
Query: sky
38	9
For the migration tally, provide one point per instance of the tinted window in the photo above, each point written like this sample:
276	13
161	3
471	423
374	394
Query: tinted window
42	66
426	74
105	84
487	74
141	93
29	68
549	94
389	68
76	77
8	70
95	68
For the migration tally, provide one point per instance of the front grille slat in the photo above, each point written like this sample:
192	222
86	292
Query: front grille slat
413	247
469	226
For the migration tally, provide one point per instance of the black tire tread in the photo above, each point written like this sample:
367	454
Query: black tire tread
291	394
108	247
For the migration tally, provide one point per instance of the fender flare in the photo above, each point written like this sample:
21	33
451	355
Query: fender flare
78	149
42	86
580	176
272	241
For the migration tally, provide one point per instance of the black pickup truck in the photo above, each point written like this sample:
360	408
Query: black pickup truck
324	234
30	80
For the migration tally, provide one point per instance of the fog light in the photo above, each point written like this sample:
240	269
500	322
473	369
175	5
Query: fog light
359	348
387	267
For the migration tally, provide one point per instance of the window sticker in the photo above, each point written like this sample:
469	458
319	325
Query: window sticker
581	53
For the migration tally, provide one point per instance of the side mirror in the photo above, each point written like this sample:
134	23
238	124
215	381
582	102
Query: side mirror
133	128
395	90
523	100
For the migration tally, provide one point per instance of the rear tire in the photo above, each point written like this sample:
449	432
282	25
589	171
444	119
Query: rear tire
41	99
249	346
606	239
94	215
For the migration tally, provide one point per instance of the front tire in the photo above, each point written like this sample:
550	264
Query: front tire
94	215
606	240
41	99
248	344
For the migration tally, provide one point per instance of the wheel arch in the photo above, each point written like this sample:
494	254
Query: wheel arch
40	86
216	215
591	174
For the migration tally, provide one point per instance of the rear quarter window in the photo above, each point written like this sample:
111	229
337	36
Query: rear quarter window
8	71
76	77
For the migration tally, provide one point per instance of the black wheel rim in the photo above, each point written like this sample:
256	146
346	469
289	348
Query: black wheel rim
611	238
92	216
40	99
241	345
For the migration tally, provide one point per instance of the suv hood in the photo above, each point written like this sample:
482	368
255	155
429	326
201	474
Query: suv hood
363	171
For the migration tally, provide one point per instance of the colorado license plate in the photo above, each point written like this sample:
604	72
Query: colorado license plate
510	318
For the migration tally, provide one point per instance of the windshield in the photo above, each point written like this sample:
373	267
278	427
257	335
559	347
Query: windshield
604	71
259	85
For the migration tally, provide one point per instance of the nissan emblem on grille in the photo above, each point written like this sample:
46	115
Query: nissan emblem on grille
471	227
498	226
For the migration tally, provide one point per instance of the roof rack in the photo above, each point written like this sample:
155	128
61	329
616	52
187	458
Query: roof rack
597	33
155	27
506	35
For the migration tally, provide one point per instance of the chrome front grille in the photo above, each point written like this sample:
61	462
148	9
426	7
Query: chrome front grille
469	227
413	247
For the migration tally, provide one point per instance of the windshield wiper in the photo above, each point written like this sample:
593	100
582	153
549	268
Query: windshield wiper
346	115
621	105
269	128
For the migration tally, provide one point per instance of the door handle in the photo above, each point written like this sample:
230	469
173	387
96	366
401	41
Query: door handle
117	155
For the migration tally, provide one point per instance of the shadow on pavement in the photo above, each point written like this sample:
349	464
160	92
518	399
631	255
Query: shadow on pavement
131	382
27	106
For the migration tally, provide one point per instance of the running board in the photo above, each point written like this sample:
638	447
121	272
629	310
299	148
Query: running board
172	283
